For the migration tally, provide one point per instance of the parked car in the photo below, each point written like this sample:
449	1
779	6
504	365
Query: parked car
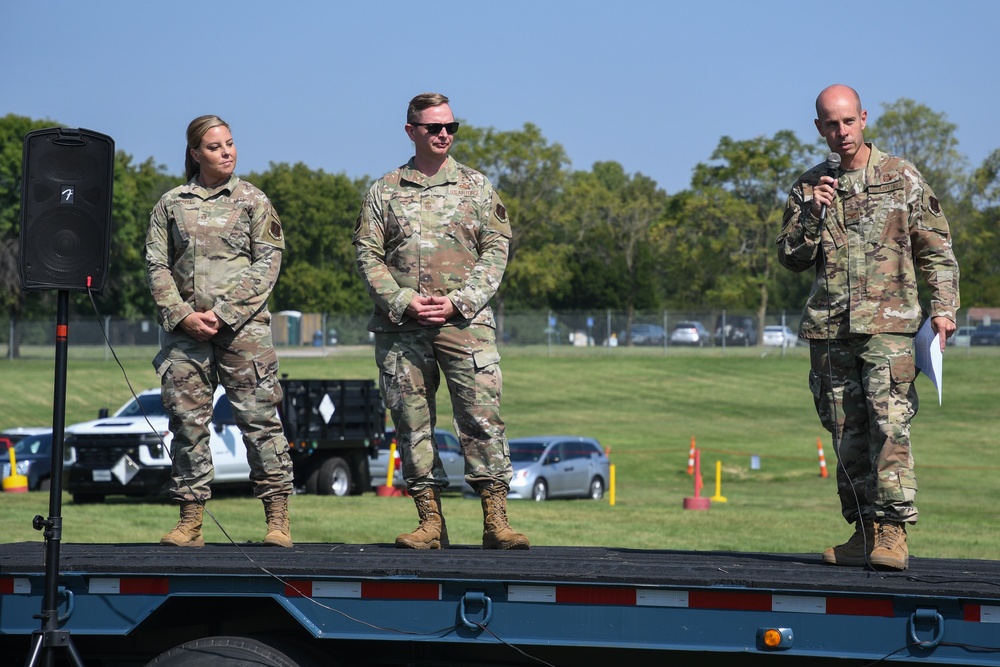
690	333
33	459
18	433
985	334
558	466
449	449
779	336
644	334
962	337
735	331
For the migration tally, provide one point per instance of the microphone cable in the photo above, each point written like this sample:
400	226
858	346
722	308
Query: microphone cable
159	435
837	431
243	552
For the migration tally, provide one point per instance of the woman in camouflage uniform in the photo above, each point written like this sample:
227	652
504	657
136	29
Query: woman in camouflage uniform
213	253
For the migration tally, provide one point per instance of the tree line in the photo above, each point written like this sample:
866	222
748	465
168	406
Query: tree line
593	239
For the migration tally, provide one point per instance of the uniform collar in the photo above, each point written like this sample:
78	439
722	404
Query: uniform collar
197	189
447	174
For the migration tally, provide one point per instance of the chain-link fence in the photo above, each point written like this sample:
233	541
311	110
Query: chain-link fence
605	329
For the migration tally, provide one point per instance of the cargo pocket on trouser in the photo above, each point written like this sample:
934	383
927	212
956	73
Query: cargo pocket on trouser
489	381
823	399
267	450
897	481
388	381
187	399
487	453
268	387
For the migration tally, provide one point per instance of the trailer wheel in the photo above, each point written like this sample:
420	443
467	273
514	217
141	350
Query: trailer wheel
333	478
225	652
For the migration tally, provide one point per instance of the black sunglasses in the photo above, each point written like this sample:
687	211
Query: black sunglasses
435	128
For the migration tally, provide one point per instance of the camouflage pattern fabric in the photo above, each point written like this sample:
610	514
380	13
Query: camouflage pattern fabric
884	229
238	238
218	249
868	408
446	235
409	378
861	316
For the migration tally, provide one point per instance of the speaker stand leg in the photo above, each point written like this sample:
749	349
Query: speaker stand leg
44	643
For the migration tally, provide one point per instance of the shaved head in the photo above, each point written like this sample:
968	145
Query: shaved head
841	122
833	92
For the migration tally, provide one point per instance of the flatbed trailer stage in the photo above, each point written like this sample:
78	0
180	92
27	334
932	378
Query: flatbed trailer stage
351	604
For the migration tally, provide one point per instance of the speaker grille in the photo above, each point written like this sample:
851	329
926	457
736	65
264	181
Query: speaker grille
66	209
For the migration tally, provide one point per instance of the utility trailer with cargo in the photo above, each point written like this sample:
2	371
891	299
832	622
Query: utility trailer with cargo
371	604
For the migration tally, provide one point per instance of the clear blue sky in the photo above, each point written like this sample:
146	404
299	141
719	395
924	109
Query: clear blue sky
652	85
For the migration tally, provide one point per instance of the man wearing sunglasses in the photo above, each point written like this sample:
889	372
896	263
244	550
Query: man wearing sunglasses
432	242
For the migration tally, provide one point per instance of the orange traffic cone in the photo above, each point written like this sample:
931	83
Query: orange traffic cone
822	459
691	457
696	502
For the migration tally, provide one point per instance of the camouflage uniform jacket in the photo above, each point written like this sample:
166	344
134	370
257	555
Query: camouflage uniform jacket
868	251
444	235
213	249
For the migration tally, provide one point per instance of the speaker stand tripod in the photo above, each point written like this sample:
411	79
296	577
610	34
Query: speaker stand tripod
44	642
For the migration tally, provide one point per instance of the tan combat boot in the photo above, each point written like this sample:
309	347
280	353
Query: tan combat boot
890	546
432	533
497	533
276	511
187	532
853	552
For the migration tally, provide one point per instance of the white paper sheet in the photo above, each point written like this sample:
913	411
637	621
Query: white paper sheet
927	355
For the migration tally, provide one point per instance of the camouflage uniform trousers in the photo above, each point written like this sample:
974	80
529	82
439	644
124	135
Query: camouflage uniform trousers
247	365
870	402
411	364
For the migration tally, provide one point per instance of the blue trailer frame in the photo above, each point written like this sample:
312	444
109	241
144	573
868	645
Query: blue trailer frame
560	605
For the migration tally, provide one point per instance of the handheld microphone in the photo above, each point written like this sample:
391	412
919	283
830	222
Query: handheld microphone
832	167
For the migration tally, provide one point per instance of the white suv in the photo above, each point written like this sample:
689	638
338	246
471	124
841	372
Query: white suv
129	452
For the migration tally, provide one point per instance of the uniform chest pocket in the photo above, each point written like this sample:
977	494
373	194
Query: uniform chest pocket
464	225
236	232
184	219
397	223
879	214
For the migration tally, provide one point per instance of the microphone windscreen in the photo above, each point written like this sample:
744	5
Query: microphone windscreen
833	162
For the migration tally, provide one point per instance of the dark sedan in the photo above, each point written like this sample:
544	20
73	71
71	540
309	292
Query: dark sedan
985	334
33	459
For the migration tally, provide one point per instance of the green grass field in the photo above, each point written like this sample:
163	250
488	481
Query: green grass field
645	406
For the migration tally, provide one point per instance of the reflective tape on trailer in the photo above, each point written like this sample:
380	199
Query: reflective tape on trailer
548	594
15	586
128	586
639	597
364	590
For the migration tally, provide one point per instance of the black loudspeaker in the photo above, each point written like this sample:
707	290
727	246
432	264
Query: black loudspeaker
68	175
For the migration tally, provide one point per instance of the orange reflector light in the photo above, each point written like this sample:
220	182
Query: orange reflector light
769	639
772	638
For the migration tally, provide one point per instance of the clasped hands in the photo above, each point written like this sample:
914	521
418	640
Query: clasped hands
201	326
431	310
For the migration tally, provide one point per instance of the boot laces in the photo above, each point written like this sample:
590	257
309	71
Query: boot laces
891	535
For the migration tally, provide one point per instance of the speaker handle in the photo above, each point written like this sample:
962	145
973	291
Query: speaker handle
69	137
